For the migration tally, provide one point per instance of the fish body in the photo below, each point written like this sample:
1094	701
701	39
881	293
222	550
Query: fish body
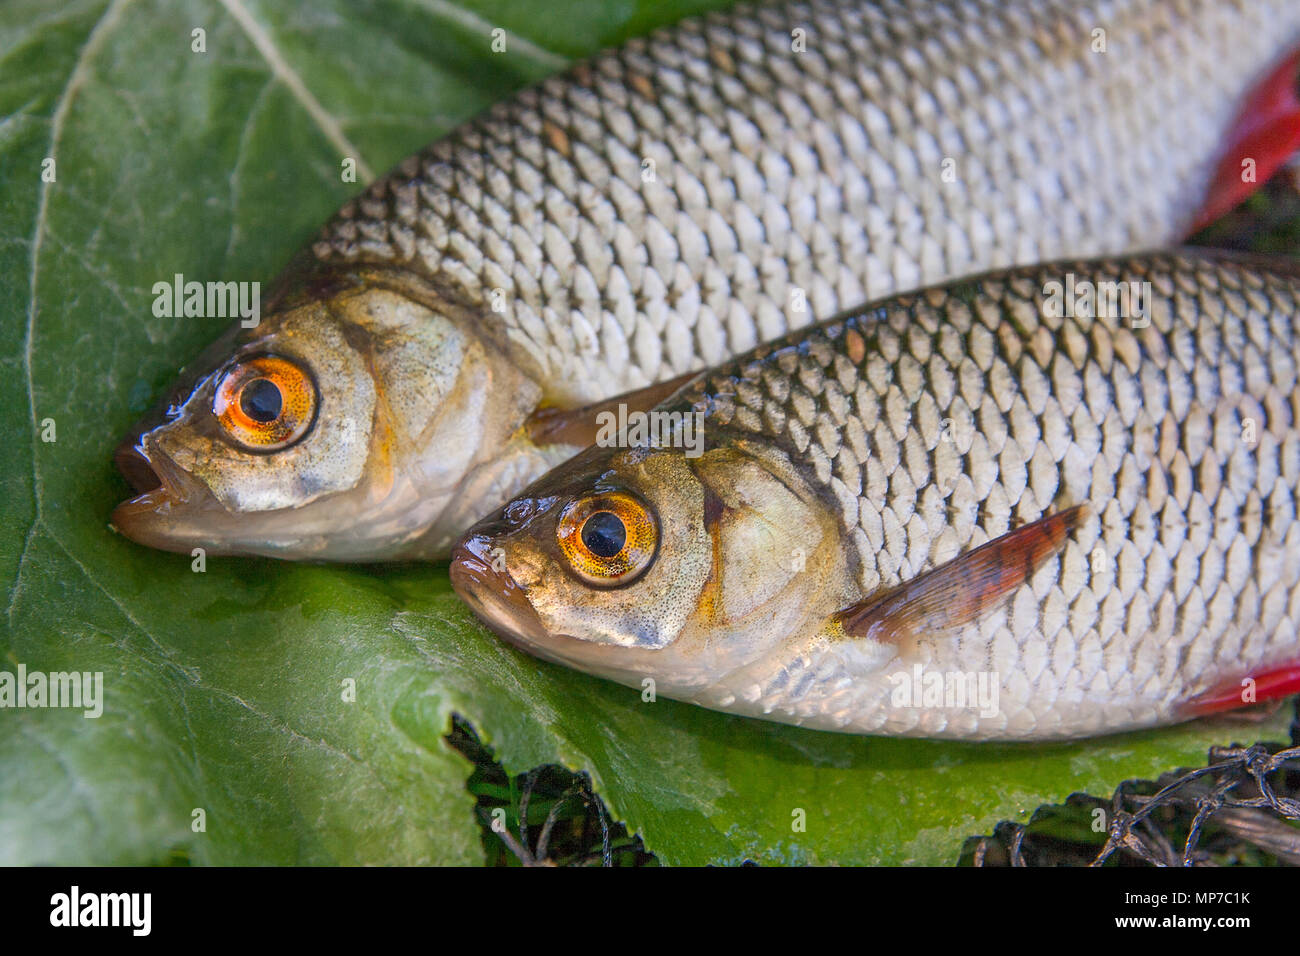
670	204
996	509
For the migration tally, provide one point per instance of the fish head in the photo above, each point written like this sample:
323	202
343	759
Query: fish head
352	425
645	562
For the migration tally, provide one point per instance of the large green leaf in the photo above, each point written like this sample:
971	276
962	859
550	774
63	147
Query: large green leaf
225	688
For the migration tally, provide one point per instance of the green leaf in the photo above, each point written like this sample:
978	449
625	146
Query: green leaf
224	690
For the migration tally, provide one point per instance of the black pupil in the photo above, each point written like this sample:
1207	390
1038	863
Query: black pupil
260	400
603	534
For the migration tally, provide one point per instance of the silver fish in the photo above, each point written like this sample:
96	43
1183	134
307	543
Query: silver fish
1048	503
658	209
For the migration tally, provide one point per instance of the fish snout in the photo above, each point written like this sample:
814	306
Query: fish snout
479	576
165	499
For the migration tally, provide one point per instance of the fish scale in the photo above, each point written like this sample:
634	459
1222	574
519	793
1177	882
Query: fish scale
1187	569
788	185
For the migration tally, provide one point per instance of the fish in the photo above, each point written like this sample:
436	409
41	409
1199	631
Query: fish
1046	503
458	329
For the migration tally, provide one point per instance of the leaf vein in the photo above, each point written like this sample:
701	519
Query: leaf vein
327	122
57	120
476	24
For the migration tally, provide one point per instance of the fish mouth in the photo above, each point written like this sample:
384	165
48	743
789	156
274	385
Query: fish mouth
135	466
162	494
494	595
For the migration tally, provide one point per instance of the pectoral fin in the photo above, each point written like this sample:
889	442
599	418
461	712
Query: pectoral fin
961	590
579	426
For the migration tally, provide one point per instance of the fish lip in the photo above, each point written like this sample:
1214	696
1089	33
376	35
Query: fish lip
494	595
162	489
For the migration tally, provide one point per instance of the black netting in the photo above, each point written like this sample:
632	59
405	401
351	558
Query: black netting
1238	808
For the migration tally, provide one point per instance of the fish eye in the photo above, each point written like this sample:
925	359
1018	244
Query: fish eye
265	403
608	539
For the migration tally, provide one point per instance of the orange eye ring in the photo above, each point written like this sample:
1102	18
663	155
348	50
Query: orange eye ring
265	403
608	539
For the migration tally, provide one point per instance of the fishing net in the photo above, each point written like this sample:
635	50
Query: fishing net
1234	810
548	816
1241	808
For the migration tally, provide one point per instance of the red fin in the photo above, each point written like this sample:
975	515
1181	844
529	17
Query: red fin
578	426
1249	690
1267	132
964	588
